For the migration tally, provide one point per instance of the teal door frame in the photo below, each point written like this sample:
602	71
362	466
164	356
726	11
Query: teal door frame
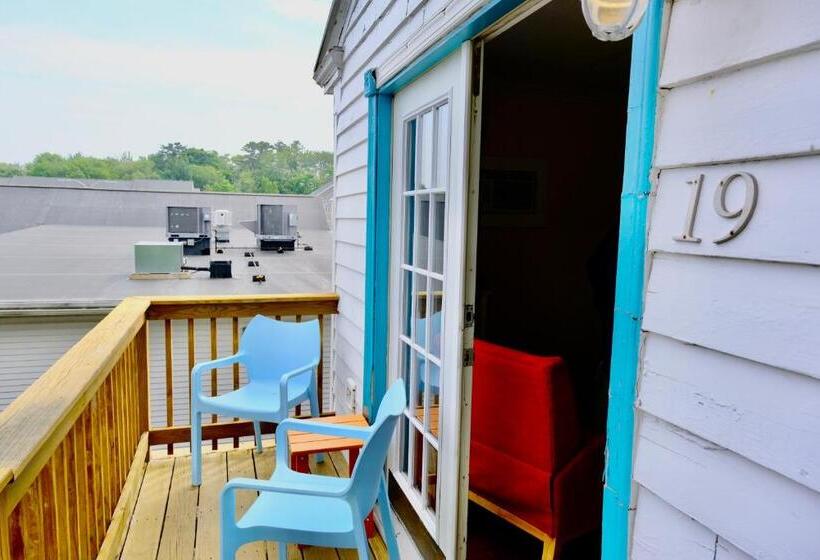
629	283
640	134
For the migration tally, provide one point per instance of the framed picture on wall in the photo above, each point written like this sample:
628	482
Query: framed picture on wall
512	192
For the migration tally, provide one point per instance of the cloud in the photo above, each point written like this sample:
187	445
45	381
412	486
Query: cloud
276	73
107	96
314	11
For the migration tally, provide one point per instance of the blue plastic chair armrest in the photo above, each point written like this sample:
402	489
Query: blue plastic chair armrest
196	373
323	428
271	486
285	379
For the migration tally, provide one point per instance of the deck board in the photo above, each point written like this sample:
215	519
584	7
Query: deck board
174	520
179	532
145	529
214	477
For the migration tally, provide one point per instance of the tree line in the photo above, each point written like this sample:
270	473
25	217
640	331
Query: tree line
261	167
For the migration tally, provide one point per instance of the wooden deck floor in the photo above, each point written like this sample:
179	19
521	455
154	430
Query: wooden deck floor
174	520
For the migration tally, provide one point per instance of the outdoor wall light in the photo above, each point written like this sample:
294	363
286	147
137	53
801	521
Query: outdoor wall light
613	20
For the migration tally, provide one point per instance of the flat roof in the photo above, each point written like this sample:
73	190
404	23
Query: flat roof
80	266
128	184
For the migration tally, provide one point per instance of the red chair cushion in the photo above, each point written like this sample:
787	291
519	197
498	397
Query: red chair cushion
524	427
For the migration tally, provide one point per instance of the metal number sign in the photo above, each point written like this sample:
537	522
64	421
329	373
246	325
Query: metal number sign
744	213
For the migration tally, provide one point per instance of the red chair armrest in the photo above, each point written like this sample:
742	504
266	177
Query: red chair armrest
578	491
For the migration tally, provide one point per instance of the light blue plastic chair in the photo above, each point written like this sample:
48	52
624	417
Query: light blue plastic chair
317	510
281	358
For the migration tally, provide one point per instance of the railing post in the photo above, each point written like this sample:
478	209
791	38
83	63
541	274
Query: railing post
143	389
6	513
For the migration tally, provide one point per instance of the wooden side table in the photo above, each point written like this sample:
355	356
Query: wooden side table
304	444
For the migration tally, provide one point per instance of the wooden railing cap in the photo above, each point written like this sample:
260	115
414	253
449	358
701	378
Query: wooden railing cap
36	421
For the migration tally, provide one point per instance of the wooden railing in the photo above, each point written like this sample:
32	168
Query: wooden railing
74	445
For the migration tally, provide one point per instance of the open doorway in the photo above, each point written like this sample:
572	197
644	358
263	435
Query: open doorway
553	119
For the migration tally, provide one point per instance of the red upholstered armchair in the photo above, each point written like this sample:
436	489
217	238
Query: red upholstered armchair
529	461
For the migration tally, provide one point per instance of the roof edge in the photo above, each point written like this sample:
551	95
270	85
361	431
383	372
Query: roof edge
330	58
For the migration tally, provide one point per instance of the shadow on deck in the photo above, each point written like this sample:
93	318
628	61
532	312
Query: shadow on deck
174	520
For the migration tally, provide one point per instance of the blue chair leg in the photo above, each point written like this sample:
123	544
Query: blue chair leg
283	550
314	403
314	411
257	436
361	542
387	522
228	539
196	447
227	550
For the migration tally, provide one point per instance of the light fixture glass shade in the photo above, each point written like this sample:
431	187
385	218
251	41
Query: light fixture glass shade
613	20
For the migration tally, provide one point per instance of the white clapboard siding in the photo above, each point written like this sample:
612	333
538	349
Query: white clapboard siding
352	24
392	17
351	256
761	311
350	230
725	550
353	206
347	351
664	533
730	369
352	115
661	531
438	19
356	136
390	25
30	345
350	281
352	183
762	111
351	307
708	37
765	414
363	23
354	335
352	159
784	226
763	514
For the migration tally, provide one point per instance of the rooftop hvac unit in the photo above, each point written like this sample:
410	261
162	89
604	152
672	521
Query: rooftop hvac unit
221	222
191	225
152	257
276	226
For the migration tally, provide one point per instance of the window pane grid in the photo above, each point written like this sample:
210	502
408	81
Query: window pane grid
421	306
411	268
433	359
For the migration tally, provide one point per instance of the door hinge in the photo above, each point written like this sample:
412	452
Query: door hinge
468	357
469	316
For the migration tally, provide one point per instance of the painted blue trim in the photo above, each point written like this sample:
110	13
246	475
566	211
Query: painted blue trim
626	337
377	259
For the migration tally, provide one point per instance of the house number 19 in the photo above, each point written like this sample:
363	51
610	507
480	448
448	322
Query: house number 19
744	214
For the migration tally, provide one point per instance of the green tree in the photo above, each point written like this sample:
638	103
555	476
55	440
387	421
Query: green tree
10	169
261	167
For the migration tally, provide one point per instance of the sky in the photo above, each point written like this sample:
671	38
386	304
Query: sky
105	77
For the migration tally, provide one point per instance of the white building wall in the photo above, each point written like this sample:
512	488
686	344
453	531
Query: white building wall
30	345
386	36
727	452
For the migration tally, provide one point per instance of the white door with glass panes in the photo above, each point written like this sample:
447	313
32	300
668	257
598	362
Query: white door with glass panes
429	175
